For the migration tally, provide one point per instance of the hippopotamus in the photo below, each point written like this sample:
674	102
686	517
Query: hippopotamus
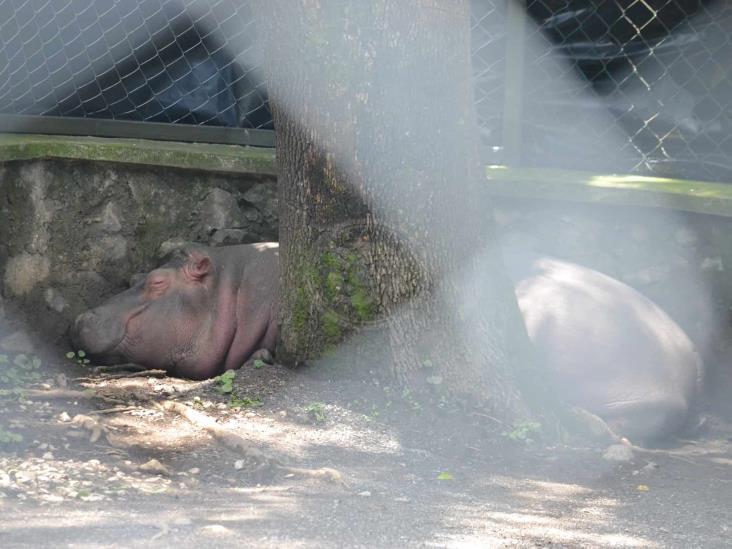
612	351
206	310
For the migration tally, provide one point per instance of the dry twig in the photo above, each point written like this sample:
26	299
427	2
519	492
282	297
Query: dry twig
239	444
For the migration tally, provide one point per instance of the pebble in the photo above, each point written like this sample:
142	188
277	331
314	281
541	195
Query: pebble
154	466
215	530
365	494
618	452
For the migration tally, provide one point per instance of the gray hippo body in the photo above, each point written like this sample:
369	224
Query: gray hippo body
612	351
204	311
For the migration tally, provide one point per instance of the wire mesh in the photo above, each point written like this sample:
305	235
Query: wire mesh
661	70
658	71
169	61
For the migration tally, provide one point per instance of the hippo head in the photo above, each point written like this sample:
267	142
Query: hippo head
160	320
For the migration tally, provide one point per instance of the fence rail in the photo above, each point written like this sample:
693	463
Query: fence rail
558	82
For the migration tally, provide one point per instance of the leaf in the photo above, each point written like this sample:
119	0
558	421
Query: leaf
80	353
71	355
445	476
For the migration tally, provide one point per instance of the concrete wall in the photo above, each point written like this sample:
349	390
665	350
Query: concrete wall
73	231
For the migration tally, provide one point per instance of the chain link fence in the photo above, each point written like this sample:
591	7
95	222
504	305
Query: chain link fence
650	77
170	61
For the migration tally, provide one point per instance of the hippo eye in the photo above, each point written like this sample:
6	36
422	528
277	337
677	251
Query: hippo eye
156	285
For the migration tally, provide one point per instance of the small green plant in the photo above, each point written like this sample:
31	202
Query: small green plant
409	399
374	411
523	431
21	370
225	382
8	437
78	356
244	402
259	363
316	412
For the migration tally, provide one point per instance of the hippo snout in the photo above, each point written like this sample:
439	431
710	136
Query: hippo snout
96	333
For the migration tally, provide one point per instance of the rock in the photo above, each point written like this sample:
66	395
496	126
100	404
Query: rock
24	272
169	245
239	464
258	194
219	211
227	237
55	300
154	466
107	249
18	342
365	494
215	530
619	453
110	219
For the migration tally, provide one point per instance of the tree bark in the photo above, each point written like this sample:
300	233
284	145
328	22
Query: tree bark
382	213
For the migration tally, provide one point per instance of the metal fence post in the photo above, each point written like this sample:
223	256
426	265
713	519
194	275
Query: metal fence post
513	85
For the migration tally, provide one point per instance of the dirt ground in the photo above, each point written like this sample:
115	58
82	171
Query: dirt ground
102	464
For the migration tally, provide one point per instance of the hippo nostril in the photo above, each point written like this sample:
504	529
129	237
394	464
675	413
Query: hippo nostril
84	321
97	332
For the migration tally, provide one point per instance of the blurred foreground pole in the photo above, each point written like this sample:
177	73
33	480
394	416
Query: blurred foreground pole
383	221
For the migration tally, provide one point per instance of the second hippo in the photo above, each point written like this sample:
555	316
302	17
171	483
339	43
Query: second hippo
613	352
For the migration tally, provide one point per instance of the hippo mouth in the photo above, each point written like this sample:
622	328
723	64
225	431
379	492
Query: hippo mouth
100	337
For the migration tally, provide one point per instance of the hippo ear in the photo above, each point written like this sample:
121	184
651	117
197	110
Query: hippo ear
198	265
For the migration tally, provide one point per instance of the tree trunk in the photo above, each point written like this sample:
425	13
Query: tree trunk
381	209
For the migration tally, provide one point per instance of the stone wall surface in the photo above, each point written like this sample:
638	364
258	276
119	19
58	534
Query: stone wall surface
74	231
